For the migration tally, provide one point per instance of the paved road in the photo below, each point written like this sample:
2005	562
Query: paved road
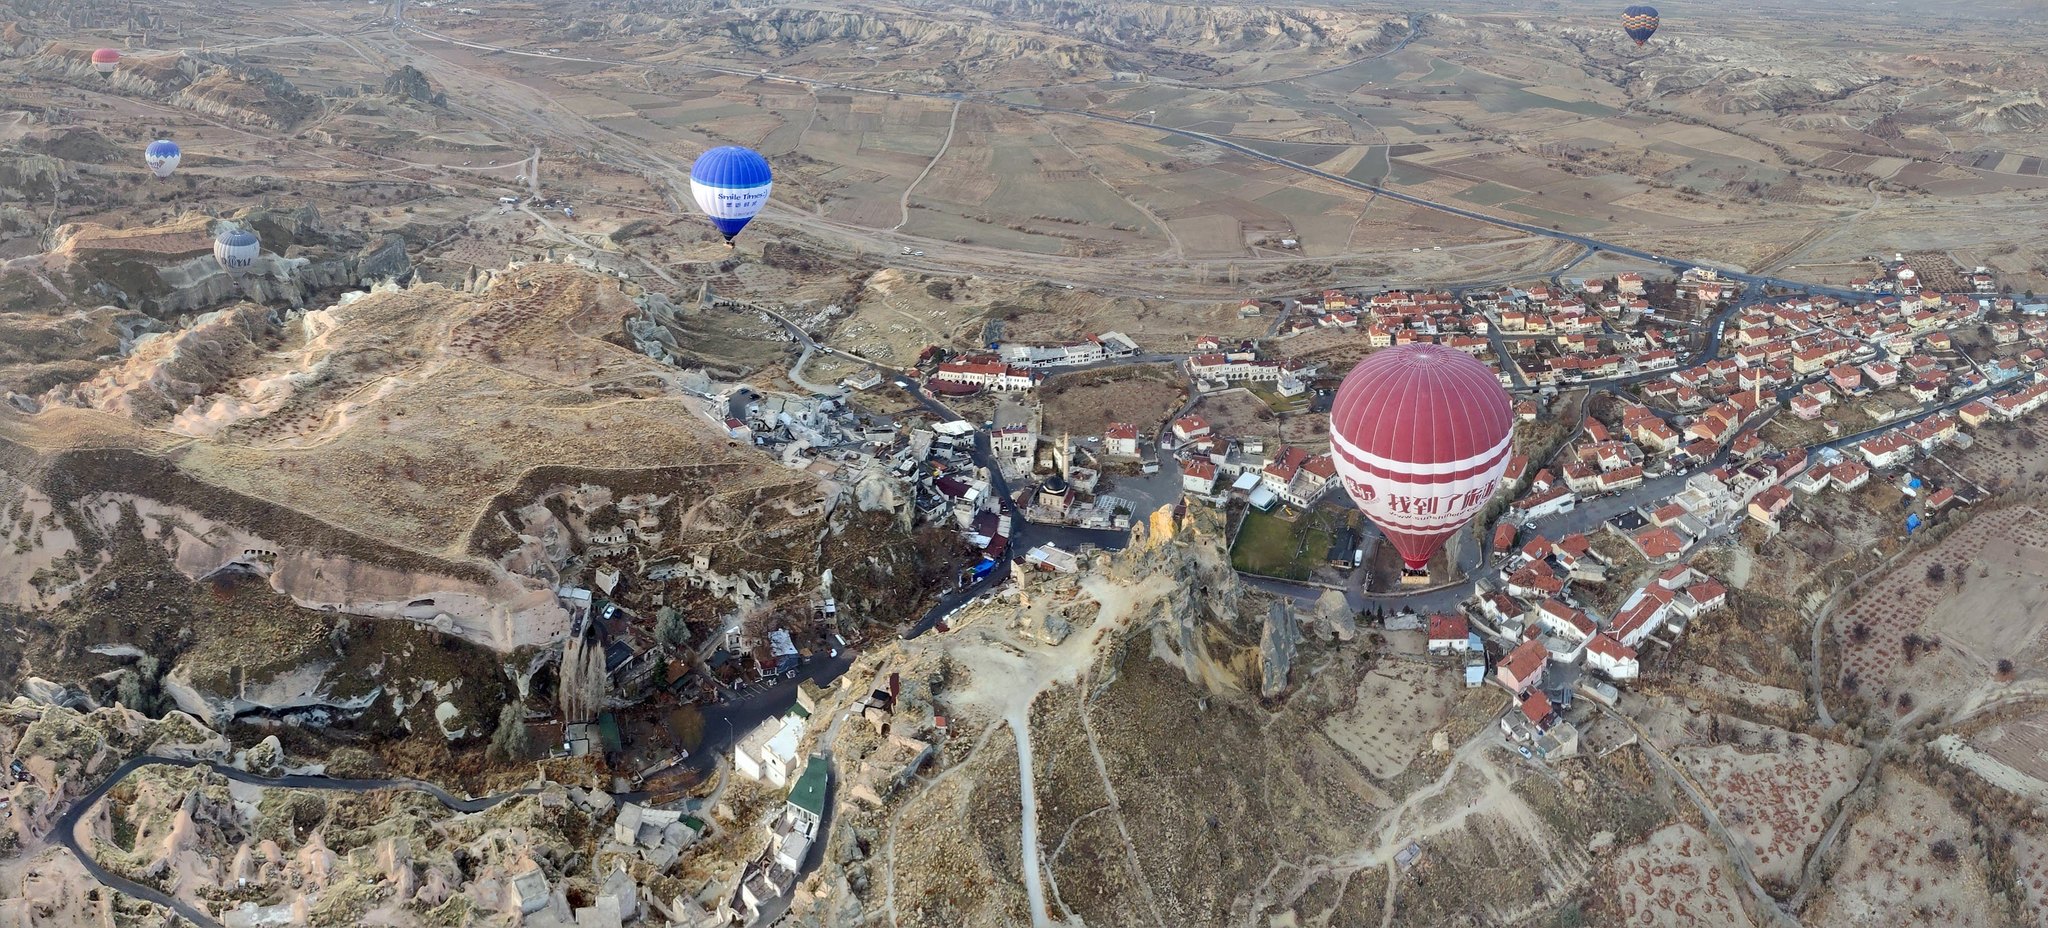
727	721
66	826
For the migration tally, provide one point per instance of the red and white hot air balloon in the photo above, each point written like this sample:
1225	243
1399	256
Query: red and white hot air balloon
105	60
1421	435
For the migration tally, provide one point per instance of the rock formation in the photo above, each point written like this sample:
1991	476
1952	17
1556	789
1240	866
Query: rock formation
409	83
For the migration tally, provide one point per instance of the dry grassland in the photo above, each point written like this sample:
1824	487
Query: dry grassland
1893	869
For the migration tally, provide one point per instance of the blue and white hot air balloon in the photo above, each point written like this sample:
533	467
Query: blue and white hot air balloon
731	185
236	249
162	156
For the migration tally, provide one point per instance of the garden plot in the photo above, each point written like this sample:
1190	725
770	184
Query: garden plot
1776	792
1674	880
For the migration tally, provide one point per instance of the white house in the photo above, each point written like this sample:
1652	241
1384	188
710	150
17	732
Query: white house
1612	658
1448	634
1198	477
767	753
1120	440
1116	344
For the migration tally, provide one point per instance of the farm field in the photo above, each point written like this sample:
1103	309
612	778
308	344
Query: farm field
1935	637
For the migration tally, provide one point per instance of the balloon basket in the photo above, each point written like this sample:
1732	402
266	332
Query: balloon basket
1414	577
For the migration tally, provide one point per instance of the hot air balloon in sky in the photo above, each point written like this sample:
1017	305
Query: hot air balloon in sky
1640	22
236	249
104	61
1421	435
730	185
162	156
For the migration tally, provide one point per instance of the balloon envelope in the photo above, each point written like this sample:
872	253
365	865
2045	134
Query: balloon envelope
162	156
236	249
105	59
730	184
1640	22
1421	435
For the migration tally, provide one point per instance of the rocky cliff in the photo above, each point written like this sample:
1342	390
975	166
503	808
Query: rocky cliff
30	178
217	85
55	554
170	271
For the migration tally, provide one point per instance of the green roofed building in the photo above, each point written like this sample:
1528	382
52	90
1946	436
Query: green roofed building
807	797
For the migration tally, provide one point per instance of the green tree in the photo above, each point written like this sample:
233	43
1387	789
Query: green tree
510	741
671	631
129	691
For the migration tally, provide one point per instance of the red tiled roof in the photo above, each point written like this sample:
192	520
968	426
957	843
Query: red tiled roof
1448	627
1607	646
1525	660
1659	542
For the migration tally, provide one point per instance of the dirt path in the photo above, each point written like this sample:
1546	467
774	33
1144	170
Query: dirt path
1019	723
904	202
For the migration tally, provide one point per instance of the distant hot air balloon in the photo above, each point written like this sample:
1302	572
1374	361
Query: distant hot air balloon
163	157
104	61
1640	22
731	185
236	249
1421	434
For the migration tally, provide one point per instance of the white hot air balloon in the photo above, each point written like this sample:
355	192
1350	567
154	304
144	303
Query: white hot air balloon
162	156
236	249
